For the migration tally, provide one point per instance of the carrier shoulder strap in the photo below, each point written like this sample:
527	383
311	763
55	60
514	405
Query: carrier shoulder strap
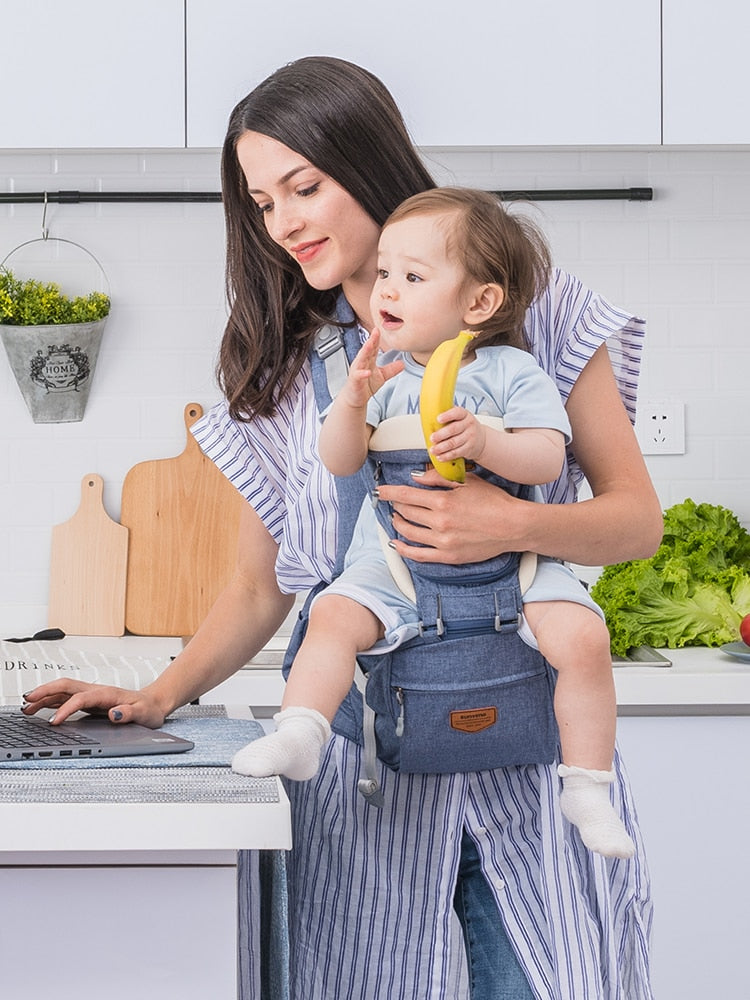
336	345
333	349
330	364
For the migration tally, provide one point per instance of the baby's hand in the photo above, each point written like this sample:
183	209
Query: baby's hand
460	436
365	375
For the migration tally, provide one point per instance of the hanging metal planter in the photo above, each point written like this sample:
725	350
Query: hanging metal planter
53	362
53	365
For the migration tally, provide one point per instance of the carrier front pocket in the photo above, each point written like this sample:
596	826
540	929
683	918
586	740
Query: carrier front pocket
466	704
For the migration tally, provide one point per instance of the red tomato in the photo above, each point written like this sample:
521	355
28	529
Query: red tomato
745	630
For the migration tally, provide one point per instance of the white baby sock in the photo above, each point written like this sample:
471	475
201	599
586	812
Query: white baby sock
293	750
585	802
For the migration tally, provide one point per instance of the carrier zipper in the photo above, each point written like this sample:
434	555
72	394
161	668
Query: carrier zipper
400	720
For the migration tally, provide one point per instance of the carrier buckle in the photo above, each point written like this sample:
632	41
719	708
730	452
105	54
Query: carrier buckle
328	341
502	624
439	623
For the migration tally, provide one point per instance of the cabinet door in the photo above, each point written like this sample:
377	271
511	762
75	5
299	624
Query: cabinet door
478	72
689	779
706	72
158	933
83	73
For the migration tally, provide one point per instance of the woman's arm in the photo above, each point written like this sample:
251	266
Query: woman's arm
476	520
245	616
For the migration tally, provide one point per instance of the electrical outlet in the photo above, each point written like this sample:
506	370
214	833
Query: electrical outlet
660	428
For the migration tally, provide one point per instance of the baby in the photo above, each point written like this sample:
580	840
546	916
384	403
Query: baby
452	259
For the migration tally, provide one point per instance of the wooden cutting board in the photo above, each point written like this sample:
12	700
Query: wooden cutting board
88	567
183	518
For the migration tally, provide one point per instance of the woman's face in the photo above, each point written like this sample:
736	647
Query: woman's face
317	222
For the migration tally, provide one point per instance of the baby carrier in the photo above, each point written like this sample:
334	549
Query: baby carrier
467	694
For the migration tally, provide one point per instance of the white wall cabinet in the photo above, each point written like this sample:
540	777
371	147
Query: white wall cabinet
706	72
138	74
477	73
87	74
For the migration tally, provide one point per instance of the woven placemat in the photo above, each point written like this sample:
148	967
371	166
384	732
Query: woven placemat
163	784
216	738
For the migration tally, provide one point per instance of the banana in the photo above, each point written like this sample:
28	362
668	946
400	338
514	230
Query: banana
436	396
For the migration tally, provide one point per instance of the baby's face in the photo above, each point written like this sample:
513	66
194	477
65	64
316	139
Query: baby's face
420	294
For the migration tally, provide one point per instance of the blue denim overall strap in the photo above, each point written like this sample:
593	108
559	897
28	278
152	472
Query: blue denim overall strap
335	345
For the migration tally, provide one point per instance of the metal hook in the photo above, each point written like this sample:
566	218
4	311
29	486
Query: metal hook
45	228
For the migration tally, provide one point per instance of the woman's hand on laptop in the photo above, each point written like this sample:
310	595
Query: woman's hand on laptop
120	705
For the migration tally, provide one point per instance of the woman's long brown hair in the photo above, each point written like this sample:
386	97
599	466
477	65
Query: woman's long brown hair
344	121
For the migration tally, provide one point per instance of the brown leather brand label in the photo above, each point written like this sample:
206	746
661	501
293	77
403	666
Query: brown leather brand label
474	720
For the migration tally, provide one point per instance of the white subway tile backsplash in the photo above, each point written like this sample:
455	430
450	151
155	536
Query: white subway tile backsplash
698	463
633	241
682	261
721	327
732	281
627	163
533	164
719	416
680	282
732	454
450	166
711	240
202	163
681	195
732	194
733	371
83	164
704	160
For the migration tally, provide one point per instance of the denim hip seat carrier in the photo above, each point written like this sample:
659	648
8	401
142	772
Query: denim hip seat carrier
466	694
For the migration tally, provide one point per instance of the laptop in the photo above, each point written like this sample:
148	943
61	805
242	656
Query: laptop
25	737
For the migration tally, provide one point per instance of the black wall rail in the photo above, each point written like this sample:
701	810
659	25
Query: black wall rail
178	197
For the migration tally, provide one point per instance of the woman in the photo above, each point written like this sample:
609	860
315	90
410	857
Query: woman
315	159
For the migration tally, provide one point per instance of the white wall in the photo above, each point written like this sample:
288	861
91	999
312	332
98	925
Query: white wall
682	261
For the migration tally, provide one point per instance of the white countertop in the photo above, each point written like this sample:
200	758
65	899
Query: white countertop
182	826
698	678
699	681
42	827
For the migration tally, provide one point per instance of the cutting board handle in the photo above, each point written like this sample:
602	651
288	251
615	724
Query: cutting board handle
92	493
193	413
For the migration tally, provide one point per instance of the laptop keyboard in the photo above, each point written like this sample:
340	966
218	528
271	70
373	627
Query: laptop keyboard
24	732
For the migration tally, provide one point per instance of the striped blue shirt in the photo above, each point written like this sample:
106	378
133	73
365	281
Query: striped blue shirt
371	890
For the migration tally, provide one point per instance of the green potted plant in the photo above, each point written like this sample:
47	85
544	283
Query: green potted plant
52	342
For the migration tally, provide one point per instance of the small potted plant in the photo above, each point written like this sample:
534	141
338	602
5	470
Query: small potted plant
52	342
